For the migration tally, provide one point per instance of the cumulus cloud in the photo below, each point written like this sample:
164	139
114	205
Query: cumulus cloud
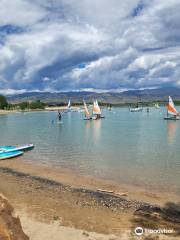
88	44
20	13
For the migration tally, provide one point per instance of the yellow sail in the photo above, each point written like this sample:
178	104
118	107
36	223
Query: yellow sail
96	108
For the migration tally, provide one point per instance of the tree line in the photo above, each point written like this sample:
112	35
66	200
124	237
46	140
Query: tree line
22	106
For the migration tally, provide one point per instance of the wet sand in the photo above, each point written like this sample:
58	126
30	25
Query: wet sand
76	180
54	197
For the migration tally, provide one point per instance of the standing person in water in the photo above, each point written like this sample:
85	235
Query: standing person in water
59	116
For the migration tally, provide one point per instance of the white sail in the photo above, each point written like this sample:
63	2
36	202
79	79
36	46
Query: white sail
156	105
86	111
69	104
99	110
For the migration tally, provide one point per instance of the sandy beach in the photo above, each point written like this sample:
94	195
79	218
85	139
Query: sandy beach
53	203
3	112
63	108
48	109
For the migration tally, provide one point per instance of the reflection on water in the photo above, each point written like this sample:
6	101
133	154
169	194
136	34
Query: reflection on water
87	125
87	129
172	127
97	129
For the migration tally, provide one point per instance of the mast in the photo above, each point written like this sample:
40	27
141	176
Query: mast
139	96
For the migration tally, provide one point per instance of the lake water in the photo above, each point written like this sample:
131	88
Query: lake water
134	148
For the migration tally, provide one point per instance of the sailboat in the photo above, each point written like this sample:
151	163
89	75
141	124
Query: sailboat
97	111
109	107
136	109
69	104
86	112
172	113
156	105
68	108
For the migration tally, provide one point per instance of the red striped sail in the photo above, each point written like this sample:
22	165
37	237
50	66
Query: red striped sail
171	108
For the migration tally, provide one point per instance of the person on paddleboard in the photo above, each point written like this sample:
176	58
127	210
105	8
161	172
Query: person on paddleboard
59	116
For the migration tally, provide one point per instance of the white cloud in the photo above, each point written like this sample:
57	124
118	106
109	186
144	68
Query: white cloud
20	12
119	45
12	91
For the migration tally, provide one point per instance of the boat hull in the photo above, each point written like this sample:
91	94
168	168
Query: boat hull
86	119
8	155
136	109
171	118
96	117
24	148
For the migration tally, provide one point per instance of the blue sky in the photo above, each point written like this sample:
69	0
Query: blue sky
62	45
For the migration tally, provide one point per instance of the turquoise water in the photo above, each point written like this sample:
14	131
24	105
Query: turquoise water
135	148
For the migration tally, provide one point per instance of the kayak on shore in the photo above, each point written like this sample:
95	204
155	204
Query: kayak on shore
7	155
6	149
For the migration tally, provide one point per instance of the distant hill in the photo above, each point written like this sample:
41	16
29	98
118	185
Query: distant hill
131	96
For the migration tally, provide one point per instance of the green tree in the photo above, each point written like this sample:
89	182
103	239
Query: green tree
3	102
24	105
36	105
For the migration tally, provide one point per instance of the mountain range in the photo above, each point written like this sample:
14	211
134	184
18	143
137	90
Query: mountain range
129	96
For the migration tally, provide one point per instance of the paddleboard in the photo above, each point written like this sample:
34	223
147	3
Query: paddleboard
7	155
56	122
27	147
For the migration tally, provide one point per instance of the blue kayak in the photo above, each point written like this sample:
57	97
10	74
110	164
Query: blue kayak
7	155
27	147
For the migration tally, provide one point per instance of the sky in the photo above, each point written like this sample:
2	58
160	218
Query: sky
98	45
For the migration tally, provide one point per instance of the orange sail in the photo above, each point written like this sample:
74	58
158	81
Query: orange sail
96	108
86	111
171	108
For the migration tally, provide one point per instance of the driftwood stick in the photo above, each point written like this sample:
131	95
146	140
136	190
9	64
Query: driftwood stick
113	192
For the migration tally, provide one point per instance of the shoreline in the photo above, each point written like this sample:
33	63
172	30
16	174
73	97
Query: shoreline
4	112
72	178
46	109
35	194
